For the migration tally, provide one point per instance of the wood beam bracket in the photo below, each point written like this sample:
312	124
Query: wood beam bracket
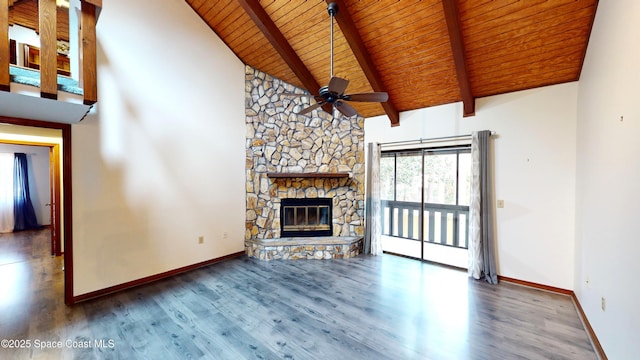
343	18
457	47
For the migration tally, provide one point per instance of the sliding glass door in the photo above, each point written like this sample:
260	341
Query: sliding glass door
425	201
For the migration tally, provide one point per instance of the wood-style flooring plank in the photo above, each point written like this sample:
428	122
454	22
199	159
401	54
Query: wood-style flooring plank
384	307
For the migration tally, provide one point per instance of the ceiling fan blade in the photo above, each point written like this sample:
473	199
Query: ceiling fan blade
346	109
368	97
338	85
310	108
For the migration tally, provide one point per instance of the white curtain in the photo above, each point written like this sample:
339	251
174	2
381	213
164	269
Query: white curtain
373	229
6	192
475	253
482	262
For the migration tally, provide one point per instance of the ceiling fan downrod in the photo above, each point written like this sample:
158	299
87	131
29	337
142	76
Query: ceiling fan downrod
332	9
333	94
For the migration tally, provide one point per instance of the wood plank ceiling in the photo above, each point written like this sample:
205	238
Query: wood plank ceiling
25	13
422	52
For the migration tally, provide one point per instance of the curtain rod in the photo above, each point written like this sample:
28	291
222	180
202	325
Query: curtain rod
424	140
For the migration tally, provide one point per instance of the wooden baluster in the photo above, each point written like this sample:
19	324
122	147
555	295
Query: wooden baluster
89	60
5	79
48	49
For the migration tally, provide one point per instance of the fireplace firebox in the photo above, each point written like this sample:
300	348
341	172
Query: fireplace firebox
306	217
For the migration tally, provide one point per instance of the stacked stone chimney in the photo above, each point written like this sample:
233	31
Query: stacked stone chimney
279	141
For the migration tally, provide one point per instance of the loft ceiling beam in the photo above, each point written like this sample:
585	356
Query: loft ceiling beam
262	20
457	47
343	18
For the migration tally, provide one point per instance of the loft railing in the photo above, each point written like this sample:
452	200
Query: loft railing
47	14
442	224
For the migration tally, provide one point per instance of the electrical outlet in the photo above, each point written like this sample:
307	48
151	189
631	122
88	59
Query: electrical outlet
225	235
500	204
200	239
603	304
588	281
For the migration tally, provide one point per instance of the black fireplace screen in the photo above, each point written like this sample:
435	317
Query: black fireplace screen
305	217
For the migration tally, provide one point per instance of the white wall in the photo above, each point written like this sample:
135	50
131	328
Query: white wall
161	160
534	154
38	171
608	174
24	35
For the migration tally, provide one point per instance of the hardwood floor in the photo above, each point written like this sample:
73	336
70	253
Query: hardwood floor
366	307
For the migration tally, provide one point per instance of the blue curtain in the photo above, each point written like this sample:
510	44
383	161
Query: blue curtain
25	216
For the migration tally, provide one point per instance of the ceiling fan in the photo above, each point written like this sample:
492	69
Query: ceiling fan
333	94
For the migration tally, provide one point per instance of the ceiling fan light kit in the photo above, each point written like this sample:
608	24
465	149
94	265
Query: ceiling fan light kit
334	92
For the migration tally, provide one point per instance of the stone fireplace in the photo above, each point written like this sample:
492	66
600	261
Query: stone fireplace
297	157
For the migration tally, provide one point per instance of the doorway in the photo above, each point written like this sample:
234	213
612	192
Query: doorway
44	182
39	132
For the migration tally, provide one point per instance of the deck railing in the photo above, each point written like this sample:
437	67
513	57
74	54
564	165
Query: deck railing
442	224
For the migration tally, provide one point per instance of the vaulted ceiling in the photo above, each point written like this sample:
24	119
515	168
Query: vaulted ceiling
422	52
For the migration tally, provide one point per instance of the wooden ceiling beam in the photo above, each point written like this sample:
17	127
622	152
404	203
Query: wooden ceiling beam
343	18
457	47
262	20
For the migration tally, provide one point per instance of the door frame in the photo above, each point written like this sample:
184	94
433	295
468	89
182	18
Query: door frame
66	210
54	182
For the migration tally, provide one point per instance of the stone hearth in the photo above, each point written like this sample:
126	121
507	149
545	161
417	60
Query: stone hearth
280	141
296	248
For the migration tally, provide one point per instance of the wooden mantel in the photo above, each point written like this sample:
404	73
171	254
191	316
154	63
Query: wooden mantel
280	175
